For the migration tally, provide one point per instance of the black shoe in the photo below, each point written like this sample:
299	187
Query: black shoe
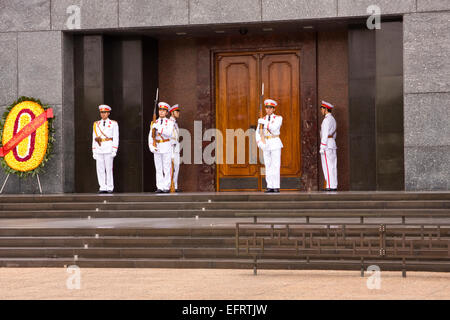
110	191
159	191
276	190
166	191
269	191
178	190
102	191
333	190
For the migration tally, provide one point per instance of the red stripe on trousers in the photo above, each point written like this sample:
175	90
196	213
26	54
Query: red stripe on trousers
328	173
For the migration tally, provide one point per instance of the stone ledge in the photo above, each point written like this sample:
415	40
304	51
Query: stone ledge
24	15
432	5
426	52
142	13
298	9
349	8
94	14
40	66
8	68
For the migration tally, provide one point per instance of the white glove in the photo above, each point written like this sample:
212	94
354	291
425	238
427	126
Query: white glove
94	155
322	151
113	154
153	149
262	121
261	145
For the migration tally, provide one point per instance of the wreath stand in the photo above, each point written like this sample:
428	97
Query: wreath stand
6	180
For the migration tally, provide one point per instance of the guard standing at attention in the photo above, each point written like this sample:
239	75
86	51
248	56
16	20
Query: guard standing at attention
270	143
328	146
174	115
105	144
161	146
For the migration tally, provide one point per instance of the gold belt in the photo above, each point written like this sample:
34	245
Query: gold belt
164	140
106	139
271	137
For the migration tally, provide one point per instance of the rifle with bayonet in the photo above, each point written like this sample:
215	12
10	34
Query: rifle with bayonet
261	102
154	118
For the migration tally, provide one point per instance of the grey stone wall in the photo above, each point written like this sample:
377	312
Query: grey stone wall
427	98
33	61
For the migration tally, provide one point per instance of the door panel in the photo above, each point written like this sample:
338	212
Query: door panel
238	83
279	72
236	110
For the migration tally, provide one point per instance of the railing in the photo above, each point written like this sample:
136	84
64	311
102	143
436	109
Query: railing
392	246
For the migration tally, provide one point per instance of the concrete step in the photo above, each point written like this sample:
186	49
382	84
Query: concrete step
274	264
231	205
227	196
197	253
114	242
220	213
122	232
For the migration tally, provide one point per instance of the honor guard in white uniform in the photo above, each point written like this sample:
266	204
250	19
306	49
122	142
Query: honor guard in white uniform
105	144
174	115
163	150
271	145
328	146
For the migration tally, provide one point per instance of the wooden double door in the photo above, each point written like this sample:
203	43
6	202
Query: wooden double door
239	79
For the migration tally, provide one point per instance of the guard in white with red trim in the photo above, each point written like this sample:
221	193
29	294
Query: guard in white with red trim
105	144
174	115
328	146
271	145
163	151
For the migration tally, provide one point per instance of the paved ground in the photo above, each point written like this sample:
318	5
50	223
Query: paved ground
217	284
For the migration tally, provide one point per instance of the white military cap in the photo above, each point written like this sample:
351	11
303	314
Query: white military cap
104	107
327	105
175	107
163	105
270	103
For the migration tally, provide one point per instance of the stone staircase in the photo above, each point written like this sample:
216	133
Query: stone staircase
181	231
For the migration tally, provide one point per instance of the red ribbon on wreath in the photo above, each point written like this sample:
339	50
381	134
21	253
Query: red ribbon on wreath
26	131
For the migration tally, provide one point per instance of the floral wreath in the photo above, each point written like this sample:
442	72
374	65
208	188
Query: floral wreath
26	137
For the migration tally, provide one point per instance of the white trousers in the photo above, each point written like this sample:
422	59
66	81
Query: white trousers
329	167
105	171
272	161
176	168
163	163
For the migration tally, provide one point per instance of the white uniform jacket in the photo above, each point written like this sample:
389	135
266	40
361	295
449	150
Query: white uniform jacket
327	130
108	131
175	136
164	134
271	132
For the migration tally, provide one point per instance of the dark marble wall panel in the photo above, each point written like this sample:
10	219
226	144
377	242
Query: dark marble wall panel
68	114
150	62
376	108
362	121
389	106
89	94
178	84
123	92
332	72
